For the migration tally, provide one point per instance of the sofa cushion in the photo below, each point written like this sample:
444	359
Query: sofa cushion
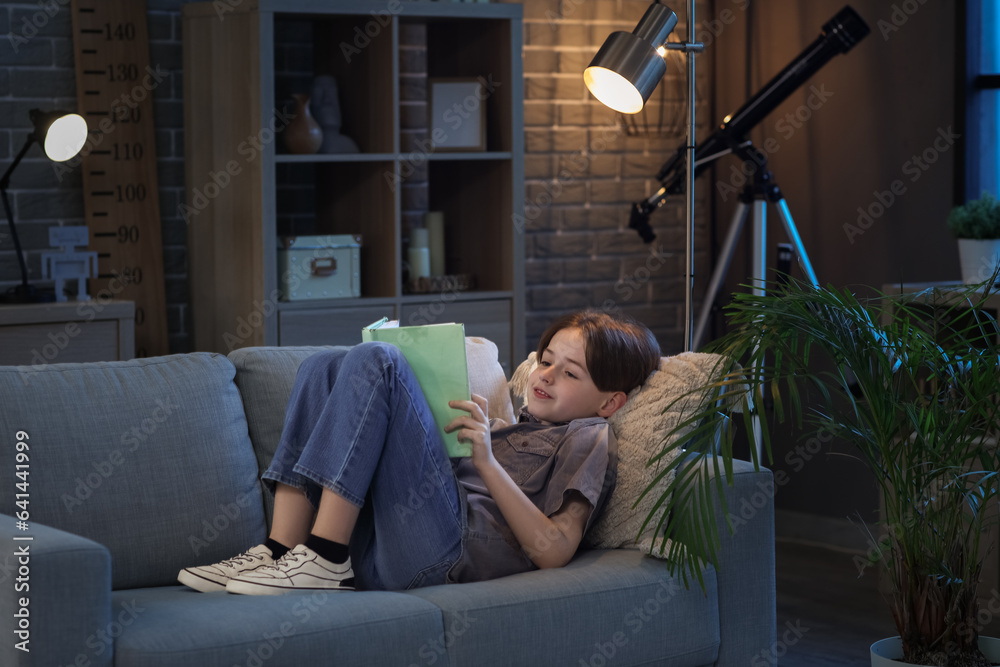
265	376
171	626
149	457
605	607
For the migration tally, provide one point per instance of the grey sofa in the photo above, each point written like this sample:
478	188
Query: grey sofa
136	469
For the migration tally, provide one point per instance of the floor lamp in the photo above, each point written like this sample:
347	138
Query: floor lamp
623	75
61	136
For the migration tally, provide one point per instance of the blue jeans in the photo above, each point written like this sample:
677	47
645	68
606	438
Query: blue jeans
357	423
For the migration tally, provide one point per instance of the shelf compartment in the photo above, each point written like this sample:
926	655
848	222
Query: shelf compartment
477	48
367	104
475	196
322	198
359	198
307	46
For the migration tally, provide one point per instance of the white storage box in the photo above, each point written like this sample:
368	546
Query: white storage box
319	267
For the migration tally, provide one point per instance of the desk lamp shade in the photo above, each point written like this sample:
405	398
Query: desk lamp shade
61	134
628	66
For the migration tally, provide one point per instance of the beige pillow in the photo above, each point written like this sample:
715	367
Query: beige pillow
639	427
486	377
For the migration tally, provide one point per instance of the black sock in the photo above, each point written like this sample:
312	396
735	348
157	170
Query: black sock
277	548
335	552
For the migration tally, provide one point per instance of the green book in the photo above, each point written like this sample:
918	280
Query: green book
436	353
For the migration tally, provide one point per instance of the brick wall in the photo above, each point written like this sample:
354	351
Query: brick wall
37	71
583	170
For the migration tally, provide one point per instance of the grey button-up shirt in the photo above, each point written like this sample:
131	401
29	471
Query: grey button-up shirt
547	462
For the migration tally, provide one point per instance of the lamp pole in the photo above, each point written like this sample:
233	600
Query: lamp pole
24	289
689	260
690	48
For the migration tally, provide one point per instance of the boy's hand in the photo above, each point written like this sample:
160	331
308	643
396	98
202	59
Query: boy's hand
473	428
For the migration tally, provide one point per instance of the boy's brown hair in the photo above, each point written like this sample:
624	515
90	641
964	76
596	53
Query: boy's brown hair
621	352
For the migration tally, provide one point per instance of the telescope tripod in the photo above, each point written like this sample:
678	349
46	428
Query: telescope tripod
755	196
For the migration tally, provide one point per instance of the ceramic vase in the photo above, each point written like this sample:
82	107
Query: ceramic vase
978	258
303	135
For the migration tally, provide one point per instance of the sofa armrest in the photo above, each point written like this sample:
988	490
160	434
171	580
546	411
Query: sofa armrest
57	588
745	571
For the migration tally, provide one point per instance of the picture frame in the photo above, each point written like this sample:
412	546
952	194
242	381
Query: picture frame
456	113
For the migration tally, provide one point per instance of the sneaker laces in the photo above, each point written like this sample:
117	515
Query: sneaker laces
289	556
245	557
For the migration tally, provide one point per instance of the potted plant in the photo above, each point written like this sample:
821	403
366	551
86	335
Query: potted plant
976	225
914	396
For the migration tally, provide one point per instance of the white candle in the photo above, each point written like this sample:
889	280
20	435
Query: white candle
420	262
434	220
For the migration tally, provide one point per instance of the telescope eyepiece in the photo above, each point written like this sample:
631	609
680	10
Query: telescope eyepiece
847	27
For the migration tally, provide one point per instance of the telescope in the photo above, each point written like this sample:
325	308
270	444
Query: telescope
839	35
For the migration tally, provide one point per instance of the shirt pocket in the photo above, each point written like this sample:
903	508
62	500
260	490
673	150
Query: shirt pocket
527	454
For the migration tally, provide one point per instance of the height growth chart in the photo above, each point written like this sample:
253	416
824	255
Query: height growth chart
114	87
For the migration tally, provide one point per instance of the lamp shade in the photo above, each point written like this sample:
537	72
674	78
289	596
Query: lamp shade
628	66
60	133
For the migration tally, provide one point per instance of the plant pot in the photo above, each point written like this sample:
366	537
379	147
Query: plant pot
978	258
887	652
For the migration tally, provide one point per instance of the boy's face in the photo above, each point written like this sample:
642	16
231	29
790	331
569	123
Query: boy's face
560	388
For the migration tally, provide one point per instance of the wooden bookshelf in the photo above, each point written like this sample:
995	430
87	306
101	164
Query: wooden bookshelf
235	80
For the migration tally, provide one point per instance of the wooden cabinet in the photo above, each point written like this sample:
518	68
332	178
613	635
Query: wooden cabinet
241	65
68	331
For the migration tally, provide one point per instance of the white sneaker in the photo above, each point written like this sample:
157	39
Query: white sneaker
209	578
299	569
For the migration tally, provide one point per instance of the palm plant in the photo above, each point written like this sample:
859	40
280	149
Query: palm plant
916	397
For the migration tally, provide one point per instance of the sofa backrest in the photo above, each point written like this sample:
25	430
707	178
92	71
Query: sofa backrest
149	457
265	376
